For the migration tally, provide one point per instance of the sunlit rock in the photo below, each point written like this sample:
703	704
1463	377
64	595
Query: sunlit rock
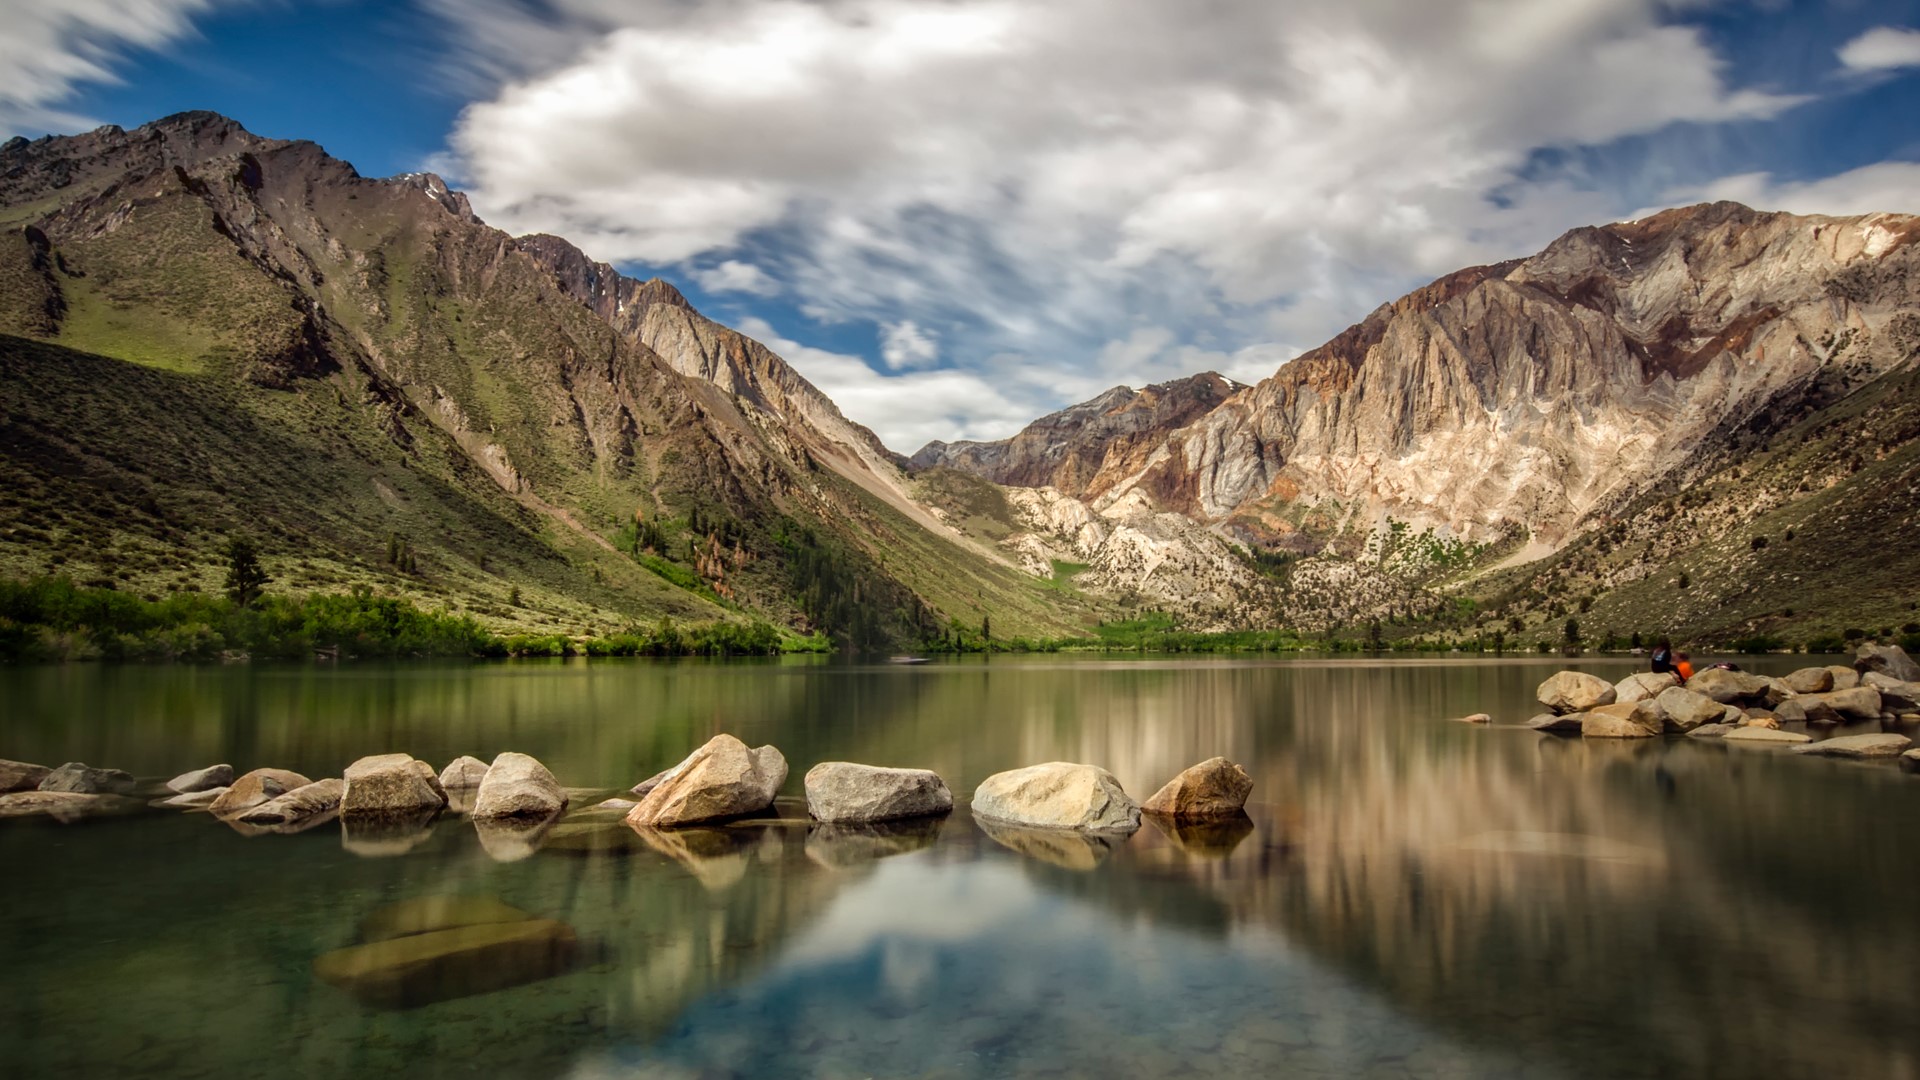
722	779
1058	795
1762	736
1574	691
1731	687
21	776
518	786
1811	680
842	791
319	797
1631	720
1894	693
385	784
253	788
1643	685
1215	787
1878	745
1889	660
1682	709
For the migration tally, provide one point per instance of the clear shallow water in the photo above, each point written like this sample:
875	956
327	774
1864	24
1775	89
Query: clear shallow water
1409	897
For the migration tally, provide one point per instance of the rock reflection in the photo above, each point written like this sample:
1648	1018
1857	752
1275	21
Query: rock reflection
844	846
717	856
1074	849
1207	838
512	839
288	828
384	836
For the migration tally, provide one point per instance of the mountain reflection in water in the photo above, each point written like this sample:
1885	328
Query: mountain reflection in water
1405	896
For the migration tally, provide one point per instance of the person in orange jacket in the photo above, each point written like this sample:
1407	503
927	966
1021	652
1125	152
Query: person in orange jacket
1683	667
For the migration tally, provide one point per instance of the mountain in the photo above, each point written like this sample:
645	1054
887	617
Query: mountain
205	332
1507	413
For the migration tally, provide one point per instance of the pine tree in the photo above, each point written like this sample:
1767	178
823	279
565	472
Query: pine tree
245	577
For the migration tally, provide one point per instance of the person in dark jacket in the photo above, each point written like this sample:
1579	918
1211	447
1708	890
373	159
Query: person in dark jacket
1663	658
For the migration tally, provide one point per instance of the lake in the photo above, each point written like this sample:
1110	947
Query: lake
1408	897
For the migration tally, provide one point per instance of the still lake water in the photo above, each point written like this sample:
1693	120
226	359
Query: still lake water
1408	898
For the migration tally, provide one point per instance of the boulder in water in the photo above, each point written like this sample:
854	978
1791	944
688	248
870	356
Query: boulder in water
319	797
1858	746
518	786
1684	710
213	776
1215	787
722	779
1732	687
66	806
1894	694
1058	795
461	773
1567	724
1889	660
21	776
1644	685
1711	731
438	965
84	779
1631	720
253	788
842	791
386	784
1765	736
1811	680
1574	691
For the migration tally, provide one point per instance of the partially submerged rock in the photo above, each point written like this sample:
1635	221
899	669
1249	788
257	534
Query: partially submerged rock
518	786
722	779
1058	795
319	797
1765	736
1711	731
1894	693
192	800
84	779
1859	703
66	806
843	791
213	776
438	965
1890	660
1629	720
1574	691
1474	718
389	784
1858	746
253	788
1214	788
424	914
1683	709
21	776
1569	724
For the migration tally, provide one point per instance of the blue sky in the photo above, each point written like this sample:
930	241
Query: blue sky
954	215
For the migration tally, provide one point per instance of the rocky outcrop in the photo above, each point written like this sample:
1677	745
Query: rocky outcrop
1813	680
845	792
1683	709
1640	687
213	776
1057	795
1889	660
253	788
1732	687
21	776
1574	691
518	786
319	797
1214	788
1858	746
1894	693
86	780
1626	720
722	779
385	784
1838	706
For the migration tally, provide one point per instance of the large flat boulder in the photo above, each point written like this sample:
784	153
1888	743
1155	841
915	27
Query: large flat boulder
1810	680
66	806
1711	731
1732	687
1859	703
722	779
1629	720
1574	691
518	786
843	791
84	779
253	788
1059	795
1214	788
1883	745
1644	685
213	776
1567	724
1894	693
438	965
386	784
319	797
1683	710
1765	736
21	776
1889	660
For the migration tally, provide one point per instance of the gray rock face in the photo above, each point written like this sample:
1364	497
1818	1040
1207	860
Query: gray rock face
1685	710
1859	703
1640	687
1631	720
1894	693
1058	795
390	784
1214	788
463	772
518	786
21	776
1549	722
722	779
319	797
842	791
253	788
1733	716
1889	660
1812	680
1711	731
87	780
1731	687
213	776
1858	746
1765	736
1574	691
1844	678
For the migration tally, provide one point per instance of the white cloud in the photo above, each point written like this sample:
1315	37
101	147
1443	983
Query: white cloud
906	347
1882	48
732	275
1887	185
1041	177
48	49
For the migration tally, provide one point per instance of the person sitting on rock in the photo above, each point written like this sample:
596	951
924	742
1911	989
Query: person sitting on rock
1663	658
1683	667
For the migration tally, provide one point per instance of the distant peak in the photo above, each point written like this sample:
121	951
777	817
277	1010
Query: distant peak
195	120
